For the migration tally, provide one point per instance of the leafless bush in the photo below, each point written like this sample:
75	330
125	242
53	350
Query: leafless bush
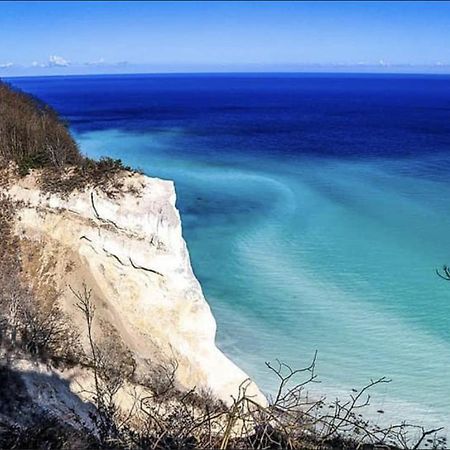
101	174
112	365
47	332
39	328
291	420
294	421
178	420
161	378
42	331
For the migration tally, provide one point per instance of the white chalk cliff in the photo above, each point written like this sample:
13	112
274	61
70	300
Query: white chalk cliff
129	249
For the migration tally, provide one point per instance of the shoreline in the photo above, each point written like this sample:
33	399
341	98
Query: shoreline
227	317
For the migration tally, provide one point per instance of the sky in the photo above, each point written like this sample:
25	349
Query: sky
51	38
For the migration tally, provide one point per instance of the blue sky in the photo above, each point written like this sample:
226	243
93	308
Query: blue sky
118	37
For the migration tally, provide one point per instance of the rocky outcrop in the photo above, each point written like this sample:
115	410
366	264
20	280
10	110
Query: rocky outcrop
129	250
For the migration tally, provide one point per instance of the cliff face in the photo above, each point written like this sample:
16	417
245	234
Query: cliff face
130	251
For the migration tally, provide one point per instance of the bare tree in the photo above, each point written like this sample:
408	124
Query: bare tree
112	366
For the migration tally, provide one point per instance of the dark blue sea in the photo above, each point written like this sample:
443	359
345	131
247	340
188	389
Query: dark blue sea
316	210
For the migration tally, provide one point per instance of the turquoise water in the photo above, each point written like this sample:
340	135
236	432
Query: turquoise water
322	255
315	210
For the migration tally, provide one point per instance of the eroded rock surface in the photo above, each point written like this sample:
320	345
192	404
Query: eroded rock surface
130	251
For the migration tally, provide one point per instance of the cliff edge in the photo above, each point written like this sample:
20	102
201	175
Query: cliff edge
128	248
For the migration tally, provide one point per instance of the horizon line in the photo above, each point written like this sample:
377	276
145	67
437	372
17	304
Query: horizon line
227	73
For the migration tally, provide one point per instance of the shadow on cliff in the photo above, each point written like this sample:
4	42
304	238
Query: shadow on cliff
38	410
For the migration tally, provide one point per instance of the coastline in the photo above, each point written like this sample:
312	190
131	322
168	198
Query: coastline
130	250
321	266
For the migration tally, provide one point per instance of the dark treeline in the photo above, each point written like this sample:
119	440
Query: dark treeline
32	134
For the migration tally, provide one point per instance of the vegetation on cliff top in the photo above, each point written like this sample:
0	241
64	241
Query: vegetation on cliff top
33	136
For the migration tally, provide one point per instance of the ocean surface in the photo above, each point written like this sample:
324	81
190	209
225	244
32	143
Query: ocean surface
316	209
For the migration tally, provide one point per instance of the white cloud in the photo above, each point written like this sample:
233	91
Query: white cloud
53	61
6	65
38	64
100	62
57	61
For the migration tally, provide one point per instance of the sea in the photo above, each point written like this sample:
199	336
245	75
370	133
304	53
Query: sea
316	209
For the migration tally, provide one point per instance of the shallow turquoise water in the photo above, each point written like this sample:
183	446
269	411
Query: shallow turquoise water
317	254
